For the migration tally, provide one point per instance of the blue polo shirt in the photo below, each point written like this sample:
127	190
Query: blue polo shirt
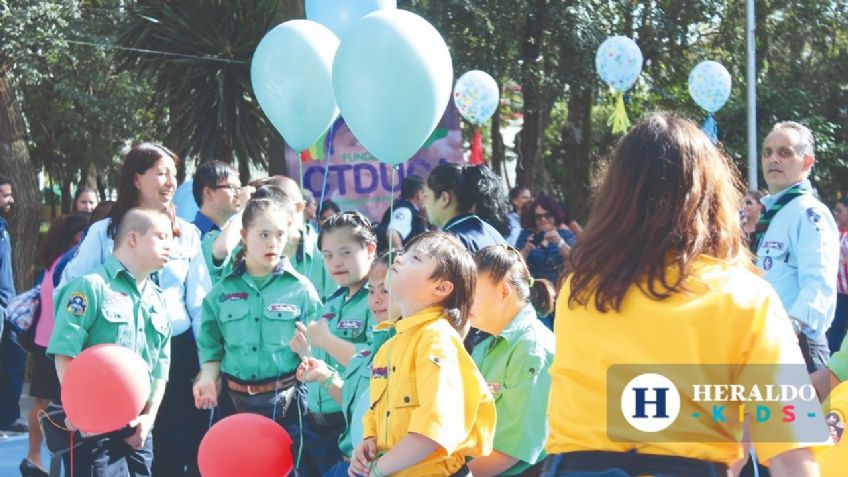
473	232
204	224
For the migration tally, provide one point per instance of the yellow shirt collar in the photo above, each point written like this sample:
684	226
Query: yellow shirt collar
424	316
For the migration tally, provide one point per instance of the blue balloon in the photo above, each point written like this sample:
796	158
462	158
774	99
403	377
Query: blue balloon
291	73
619	62
709	85
184	201
363	402
340	15
392	77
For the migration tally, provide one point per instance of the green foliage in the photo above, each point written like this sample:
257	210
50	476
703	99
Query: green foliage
205	83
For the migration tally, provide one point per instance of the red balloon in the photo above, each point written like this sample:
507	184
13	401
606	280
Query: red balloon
245	444
105	388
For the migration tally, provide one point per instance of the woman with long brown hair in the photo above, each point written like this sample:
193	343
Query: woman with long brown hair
661	277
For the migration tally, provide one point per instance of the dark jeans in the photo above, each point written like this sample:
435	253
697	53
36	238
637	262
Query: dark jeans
610	464
110	456
12	363
180	426
815	350
321	443
836	333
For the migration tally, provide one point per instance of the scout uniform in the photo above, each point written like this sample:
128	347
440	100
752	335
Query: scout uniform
800	255
247	324
106	306
351	320
515	366
727	315
415	379
357	377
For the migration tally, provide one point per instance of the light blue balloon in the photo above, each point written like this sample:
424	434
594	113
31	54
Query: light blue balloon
184	201
392	77
340	15
363	402
291	73
710	85
619	62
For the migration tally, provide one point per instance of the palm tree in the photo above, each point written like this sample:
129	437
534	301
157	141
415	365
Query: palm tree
199	53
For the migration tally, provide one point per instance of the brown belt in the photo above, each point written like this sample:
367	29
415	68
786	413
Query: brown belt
262	387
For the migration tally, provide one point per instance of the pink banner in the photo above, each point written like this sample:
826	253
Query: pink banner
356	180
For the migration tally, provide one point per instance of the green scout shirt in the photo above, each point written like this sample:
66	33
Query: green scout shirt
309	261
248	328
106	306
515	365
349	319
357	377
838	363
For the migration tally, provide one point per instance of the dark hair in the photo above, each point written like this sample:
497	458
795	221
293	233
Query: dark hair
475	188
209	174
102	211
140	158
80	191
455	264
329	204
385	258
528	215
506	263
4	180
60	236
257	205
357	224
410	186
516	191
674	196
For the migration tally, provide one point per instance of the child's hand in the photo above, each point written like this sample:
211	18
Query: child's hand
360	462
312	369
299	343
318	331
205	393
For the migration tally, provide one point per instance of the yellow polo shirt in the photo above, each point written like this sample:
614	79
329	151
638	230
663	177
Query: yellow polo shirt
423	381
729	316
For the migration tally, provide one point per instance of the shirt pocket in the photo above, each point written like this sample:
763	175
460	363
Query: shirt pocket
118	312
160	322
279	324
234	322
352	330
404	393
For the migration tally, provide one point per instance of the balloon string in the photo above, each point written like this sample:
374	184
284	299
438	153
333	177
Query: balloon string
619	120
323	192
389	282
72	454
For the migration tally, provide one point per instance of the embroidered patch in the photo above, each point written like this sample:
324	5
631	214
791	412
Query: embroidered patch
77	303
284	307
233	296
349	325
328	316
364	353
767	263
494	388
379	373
836	425
772	244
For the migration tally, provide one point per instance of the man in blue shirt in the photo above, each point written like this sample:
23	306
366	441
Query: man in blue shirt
216	189
12	357
797	239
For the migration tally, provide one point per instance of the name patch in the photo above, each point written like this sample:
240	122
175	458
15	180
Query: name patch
494	388
284	307
349	325
379	373
233	296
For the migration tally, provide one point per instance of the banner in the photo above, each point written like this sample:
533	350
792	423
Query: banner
356	180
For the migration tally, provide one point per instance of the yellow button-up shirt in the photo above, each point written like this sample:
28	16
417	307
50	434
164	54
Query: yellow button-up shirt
423	381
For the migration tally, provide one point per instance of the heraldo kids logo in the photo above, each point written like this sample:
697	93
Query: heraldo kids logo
712	403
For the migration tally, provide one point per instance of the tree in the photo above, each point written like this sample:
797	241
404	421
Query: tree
203	82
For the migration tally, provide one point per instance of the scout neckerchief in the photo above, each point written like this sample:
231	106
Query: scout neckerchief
765	219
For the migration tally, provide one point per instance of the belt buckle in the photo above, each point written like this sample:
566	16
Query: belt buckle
250	391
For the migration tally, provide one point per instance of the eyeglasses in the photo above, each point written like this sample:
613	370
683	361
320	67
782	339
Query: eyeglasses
231	187
545	216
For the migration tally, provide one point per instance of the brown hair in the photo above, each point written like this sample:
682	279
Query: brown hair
61	236
140	158
502	262
453	264
668	197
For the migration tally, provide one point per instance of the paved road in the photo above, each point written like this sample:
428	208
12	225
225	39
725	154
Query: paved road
13	448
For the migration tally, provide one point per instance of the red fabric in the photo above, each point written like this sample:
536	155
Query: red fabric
477	149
